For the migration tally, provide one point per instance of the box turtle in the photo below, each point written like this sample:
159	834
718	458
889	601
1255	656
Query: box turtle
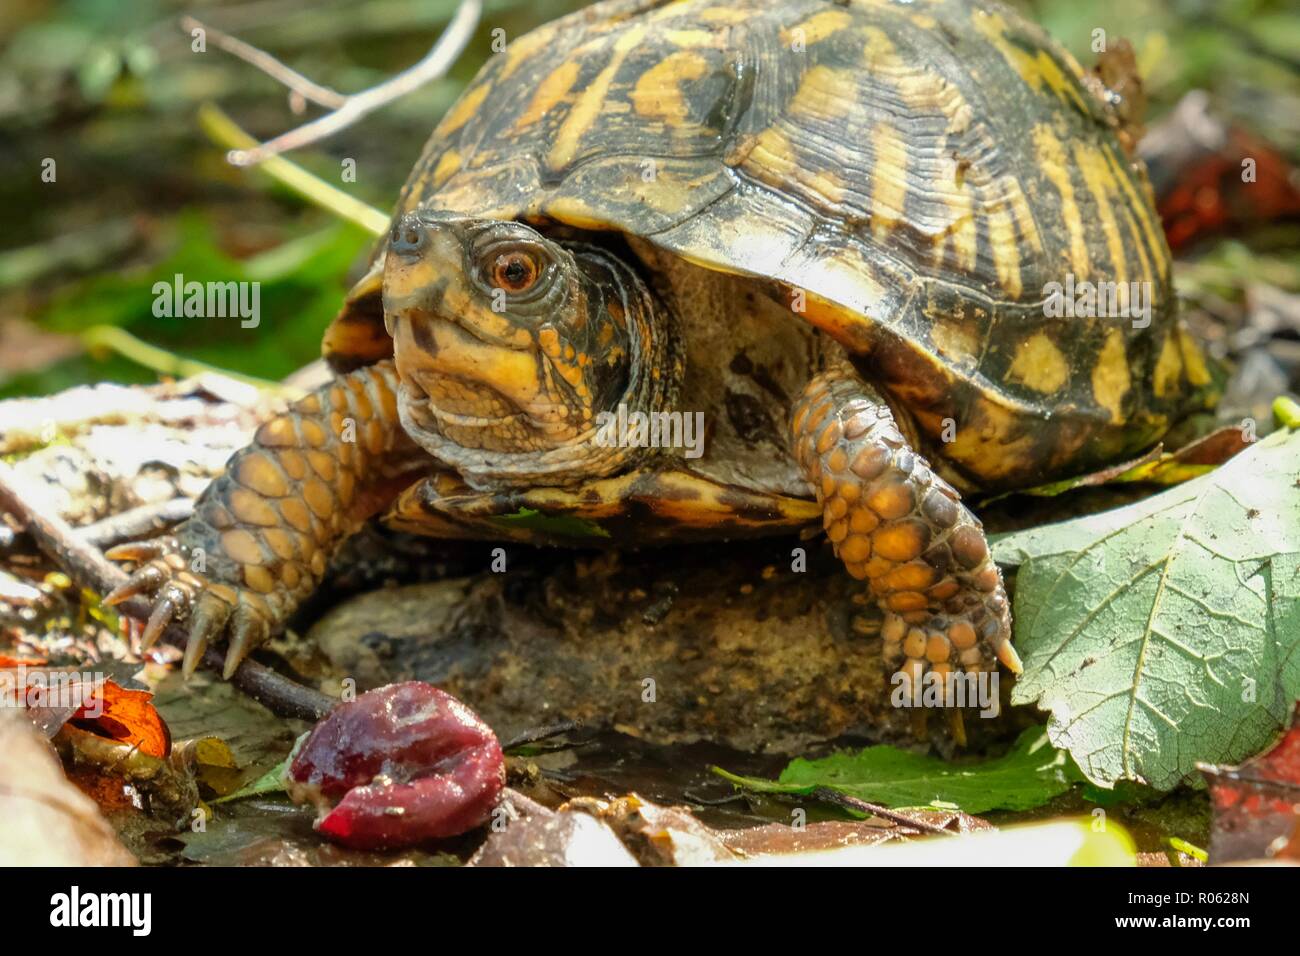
857	239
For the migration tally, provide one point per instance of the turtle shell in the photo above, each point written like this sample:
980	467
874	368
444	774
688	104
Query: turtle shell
914	177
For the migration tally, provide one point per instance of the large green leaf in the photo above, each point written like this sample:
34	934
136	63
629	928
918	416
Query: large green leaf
1166	632
1027	776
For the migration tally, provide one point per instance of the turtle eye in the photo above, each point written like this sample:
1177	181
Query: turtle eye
515	271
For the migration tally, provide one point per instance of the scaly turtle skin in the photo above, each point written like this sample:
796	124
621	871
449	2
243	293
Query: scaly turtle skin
830	227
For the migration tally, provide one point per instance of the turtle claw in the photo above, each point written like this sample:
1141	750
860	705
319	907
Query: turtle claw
162	615
145	581
194	648
247	631
138	551
206	621
957	726
1009	658
214	610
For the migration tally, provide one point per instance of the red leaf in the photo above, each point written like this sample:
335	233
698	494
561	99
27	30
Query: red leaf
127	716
1257	805
54	697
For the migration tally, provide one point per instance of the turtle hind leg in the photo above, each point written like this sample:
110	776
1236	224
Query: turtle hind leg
903	531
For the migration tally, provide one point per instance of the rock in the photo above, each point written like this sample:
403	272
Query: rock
676	645
555	839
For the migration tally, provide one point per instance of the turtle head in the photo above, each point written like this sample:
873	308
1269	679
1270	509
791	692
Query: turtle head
509	342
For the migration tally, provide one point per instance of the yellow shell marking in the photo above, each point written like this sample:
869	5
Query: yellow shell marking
1169	368
771	158
1051	157
1006	254
956	340
826	184
1110	375
1038	70
1039	365
962	229
724	15
1101	183
549	92
888	179
879	51
672	10
925	92
931	94
464	108
1143	259
1193	358
522	50
658	92
591	101
447	166
1155	236
691	39
825	93
993	442
1023	213
816	28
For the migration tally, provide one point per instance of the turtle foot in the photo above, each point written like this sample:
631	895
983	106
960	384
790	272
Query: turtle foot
903	531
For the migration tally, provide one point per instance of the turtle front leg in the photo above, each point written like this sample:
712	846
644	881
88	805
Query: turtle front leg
262	534
903	529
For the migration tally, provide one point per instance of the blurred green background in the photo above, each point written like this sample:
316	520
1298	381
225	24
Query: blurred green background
111	91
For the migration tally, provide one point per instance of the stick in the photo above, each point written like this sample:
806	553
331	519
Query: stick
90	569
295	81
537	734
224	130
159	360
347	109
139	522
524	806
853	803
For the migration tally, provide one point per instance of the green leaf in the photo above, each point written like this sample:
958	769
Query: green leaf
1027	776
270	782
1167	632
565	525
300	287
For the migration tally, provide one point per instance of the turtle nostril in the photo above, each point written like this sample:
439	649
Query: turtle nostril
408	237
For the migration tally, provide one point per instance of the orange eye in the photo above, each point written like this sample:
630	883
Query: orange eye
514	272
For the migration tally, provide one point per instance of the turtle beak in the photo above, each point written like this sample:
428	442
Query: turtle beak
422	256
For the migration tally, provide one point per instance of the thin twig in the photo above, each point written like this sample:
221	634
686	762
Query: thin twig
435	64
90	569
223	130
537	734
853	803
141	522
285	75
525	806
119	340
